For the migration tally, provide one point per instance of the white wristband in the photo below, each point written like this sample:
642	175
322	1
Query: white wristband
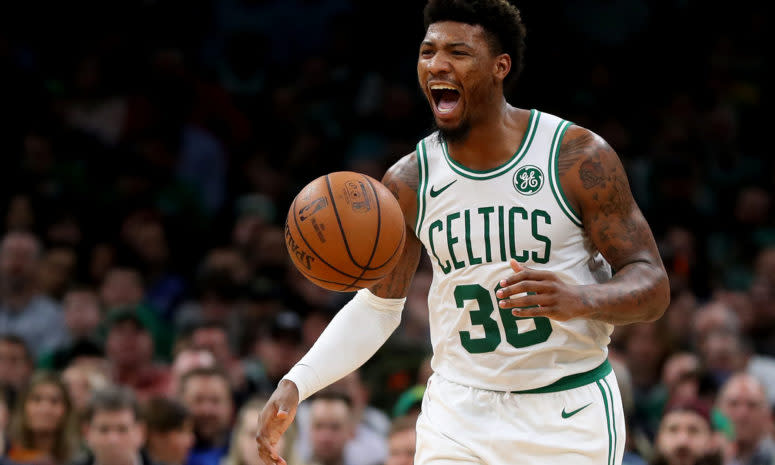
349	340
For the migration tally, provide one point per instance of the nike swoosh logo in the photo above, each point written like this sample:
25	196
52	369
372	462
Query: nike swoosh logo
438	192
570	414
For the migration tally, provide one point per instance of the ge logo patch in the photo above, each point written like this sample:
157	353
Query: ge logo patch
528	180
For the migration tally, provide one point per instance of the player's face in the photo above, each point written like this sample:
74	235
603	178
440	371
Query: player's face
455	69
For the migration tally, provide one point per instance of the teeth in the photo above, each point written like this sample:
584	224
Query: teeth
442	87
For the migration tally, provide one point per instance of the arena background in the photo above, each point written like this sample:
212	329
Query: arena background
168	138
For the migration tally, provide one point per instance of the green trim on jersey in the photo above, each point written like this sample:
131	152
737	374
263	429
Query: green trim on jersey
611	456
573	381
554	177
527	139
422	163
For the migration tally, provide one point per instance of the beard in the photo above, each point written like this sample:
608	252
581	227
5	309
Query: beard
456	134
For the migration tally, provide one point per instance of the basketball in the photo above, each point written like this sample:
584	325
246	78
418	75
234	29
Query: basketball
345	231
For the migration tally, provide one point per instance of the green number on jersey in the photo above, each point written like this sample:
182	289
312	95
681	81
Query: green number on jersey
492	336
479	316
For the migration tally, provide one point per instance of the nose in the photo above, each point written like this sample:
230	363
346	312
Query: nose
439	64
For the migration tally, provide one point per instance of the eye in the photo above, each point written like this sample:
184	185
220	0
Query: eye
460	53
426	53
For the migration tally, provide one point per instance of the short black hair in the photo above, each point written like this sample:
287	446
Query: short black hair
500	19
16	340
112	399
332	394
163	415
204	372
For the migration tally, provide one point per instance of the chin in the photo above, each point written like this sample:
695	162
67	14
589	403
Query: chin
453	132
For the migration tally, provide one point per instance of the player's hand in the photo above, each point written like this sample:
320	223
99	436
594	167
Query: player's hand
548	295
275	418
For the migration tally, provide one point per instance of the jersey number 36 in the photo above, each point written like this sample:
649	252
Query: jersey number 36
492	335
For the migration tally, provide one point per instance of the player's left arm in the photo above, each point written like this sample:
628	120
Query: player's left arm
594	180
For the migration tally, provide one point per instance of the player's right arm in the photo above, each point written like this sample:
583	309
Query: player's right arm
357	330
403	179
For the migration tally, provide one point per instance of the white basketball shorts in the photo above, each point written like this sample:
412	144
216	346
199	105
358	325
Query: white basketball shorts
580	421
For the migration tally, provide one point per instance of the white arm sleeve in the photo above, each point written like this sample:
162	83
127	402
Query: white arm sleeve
350	339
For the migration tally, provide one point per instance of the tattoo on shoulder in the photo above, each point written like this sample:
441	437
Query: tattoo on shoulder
591	174
575	145
405	171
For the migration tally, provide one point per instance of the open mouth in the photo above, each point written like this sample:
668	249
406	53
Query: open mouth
445	98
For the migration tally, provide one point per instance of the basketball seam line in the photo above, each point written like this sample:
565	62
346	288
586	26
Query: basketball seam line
341	228
376	240
301	234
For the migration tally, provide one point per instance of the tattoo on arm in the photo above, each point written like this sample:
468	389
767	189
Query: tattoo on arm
592	171
402	179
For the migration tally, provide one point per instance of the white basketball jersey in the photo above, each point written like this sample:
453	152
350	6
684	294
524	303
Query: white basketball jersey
471	223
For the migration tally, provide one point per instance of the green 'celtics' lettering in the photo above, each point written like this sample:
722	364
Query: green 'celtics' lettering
485	211
521	235
521	258
501	235
547	242
452	240
446	267
472	260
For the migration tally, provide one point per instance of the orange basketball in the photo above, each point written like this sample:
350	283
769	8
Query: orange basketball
345	231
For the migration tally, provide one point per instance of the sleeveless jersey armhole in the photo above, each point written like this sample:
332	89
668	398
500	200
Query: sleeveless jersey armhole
554	176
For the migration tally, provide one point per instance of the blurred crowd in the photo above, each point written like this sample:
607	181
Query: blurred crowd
150	151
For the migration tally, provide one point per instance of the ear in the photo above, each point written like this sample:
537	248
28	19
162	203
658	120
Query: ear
141	433
502	66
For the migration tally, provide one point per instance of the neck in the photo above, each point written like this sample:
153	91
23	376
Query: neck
161	454
335	461
746	449
212	443
492	139
16	299
129	373
129	460
44	442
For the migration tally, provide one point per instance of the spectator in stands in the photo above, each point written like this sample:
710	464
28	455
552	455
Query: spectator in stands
724	353
331	427
207	395
187	359
113	429
243	446
213	336
742	399
369	442
82	315
43	427
82	378
129	349
278	347
124	288
56	270
401	441
16	364
5	409
685	436
146	236
24	311
170	431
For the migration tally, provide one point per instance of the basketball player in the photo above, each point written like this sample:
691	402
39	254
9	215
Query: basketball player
524	215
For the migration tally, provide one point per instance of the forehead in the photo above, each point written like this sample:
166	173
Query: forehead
329	410
683	419
744	389
123	417
448	32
